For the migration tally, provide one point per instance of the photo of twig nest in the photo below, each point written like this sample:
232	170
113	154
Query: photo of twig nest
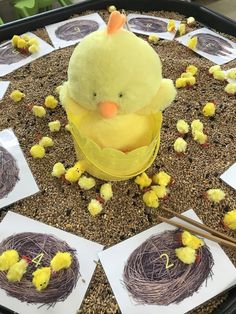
76	29
9	55
61	283
148	24
213	45
151	279
9	172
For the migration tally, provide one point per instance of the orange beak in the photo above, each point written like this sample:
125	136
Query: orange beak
107	109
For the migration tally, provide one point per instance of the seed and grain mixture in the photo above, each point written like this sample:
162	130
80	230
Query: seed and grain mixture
65	206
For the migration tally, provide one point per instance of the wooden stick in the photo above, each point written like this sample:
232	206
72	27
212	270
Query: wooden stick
198	232
201	226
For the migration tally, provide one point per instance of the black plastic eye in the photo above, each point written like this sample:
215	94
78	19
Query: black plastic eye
120	95
94	94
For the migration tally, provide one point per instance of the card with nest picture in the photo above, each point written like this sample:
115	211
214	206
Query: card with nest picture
3	88
16	179
147	274
43	269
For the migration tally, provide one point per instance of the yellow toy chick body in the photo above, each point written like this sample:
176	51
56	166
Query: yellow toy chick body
62	260
191	241
7	259
41	278
16	271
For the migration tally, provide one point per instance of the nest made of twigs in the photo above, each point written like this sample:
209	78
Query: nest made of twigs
149	282
9	172
31	245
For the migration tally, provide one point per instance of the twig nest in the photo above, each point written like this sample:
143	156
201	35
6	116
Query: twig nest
39	111
46	141
58	170
150	199
162	178
106	192
51	102
209	109
86	183
94	207
182	126
230	219
37	151
186	255
215	195
54	126
17	95
180	145
143	180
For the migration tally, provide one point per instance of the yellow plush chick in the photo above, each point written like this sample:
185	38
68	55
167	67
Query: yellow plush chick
219	75
162	178
215	195
182	29
33	41
102	96
7	259
200	137
196	125
192	42
86	183
41	278
16	271
191	69
37	151
160	190
191	21
94	207
51	102
111	8
72	175
26	37
180	145
33	49
232	74
106	191
46	141
150	199
54	126
230	88
22	44
214	68
153	39
17	95
39	111
61	261
190	81
186	254
182	127
186	75
14	40
230	219
171	26
58	170
80	166
191	241
209	109
143	180
68	127
180	82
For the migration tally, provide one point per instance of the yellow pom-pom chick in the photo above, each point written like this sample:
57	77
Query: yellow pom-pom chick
192	42
186	75
232	74
200	137
22	44
7	259
37	151
230	219
111	8
180	145
214	68
215	195
68	127
26	37
162	178
94	207
160	190
86	183
191	21
14	40
58	170
191	69
106	192
54	126
180	82
190	81
80	166
153	39
191	241
182	29
209	109
33	49
219	75
171	26
182	126
196	125
143	180
186	254
41	278
39	111
72	175
17	95
62	260
46	141
150	199
51	102
230	88
33	41
16	271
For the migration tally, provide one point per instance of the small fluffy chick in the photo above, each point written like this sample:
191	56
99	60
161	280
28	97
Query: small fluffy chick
200	137
214	68
106	191
153	39
94	207
150	199
54	126
41	278
16	271
111	8
180	145
230	219
33	48
182	127
80	166
180	82
61	261
192	42
219	75
37	151
58	170
51	102
143	180
72	175
196	125
17	95
171	26
160	190
215	195
46	141
230	88
186	254
86	183
39	111
192	69
186	75
191	21
209	109
232	74
182	29
8	258
161	178
191	241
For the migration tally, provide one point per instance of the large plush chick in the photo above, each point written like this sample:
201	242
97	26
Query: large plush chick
16	271
62	260
115	92
7	259
230	219
186	254
41	278
191	241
